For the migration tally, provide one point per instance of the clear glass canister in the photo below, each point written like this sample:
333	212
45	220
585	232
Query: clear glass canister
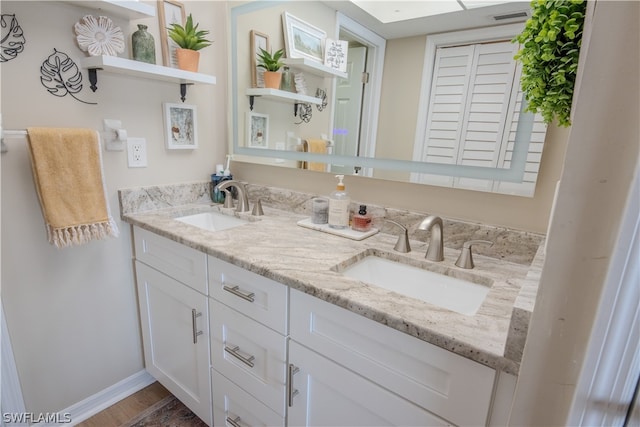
287	80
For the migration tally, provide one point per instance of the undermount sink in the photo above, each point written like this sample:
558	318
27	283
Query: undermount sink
461	296
212	221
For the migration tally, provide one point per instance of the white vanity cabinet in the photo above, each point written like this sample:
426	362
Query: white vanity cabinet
174	318
248	346
358	366
240	349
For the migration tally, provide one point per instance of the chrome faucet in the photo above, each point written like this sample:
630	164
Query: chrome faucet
435	251
243	200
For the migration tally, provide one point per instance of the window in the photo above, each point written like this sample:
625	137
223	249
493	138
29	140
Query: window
471	104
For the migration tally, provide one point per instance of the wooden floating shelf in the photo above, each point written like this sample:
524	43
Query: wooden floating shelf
314	67
130	67
283	96
122	8
140	69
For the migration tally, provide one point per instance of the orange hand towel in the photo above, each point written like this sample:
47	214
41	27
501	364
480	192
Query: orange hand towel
317	146
67	170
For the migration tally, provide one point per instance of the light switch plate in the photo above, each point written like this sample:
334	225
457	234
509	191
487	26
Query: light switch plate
137	152
109	136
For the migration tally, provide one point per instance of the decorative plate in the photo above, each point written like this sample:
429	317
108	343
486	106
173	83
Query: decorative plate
99	36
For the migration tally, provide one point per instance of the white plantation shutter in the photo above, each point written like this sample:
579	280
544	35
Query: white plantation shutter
532	165
448	95
472	115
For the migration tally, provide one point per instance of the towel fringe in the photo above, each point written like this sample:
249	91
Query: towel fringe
81	234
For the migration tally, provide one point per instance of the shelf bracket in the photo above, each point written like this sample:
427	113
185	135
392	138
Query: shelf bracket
183	90
93	78
251	100
295	109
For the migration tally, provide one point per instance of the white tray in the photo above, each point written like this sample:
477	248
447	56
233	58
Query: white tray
345	232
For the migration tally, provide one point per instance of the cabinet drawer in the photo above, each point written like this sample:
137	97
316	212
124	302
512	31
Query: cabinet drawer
255	296
181	262
230	402
450	386
249	354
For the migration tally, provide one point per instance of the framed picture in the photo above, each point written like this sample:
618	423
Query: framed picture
302	40
258	40
335	54
169	12
181	126
257	130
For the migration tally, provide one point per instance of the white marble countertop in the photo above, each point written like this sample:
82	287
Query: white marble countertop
275	247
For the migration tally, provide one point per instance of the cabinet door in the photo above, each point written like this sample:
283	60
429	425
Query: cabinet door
429	376
175	331
323	393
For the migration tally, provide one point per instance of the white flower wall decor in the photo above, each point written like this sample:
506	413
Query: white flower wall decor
99	36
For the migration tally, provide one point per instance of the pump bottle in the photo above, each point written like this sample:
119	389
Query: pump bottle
339	202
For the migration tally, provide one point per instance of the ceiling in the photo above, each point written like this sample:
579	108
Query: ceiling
401	25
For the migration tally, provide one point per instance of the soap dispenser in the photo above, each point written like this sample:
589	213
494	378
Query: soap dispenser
362	220
339	202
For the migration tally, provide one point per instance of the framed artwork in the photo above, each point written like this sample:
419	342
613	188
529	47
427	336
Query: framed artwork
169	12
257	130
302	40
258	40
335	54
180	126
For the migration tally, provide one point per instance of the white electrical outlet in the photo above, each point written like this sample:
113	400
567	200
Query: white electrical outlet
137	152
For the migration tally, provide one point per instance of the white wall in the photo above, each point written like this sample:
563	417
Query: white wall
602	157
72	313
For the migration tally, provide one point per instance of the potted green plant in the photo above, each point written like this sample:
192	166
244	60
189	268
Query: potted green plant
189	40
549	53
271	63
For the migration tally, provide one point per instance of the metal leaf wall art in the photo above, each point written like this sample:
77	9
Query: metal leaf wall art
12	41
61	76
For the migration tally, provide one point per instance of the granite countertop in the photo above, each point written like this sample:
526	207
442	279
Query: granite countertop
275	247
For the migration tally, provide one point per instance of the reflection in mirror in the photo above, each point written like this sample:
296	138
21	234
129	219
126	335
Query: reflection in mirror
441	109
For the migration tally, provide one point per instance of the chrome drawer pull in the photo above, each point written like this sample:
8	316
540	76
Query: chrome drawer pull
291	392
235	352
236	291
234	422
194	327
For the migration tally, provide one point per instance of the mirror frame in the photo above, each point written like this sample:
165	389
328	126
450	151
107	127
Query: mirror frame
514	173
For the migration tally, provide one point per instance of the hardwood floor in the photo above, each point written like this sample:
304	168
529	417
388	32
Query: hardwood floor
127	408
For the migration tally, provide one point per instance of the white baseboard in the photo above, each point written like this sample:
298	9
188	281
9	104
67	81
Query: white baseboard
90	406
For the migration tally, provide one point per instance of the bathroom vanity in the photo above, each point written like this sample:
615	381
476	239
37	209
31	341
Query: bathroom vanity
255	324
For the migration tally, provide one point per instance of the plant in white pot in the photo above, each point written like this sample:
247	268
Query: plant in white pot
189	40
271	63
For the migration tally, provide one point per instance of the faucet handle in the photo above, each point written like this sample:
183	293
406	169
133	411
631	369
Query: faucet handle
257	208
402	245
465	260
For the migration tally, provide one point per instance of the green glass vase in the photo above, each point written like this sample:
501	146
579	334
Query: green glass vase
144	48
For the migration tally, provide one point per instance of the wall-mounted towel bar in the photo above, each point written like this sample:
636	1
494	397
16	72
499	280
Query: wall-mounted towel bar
10	134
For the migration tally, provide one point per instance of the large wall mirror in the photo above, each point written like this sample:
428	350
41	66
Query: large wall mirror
429	99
